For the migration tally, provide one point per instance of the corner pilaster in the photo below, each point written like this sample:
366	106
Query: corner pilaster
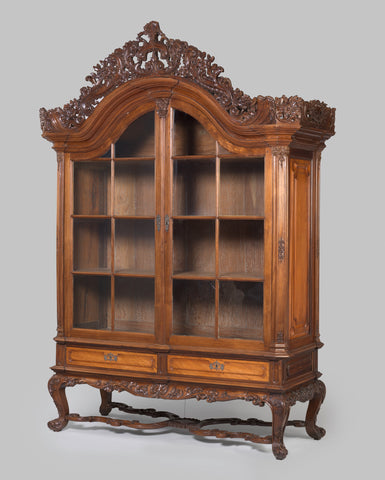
280	240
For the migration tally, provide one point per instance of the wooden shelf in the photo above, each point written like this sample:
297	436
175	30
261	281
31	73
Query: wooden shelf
241	277
234	156
134	217
194	276
241	217
93	271
97	159
133	273
90	217
133	159
194	217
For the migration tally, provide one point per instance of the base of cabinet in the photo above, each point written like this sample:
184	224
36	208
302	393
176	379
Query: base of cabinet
280	404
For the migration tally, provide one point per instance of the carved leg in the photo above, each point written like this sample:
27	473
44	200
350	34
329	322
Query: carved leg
312	411
56	387
105	406
280	411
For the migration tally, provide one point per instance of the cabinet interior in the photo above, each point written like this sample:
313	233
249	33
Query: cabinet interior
216	222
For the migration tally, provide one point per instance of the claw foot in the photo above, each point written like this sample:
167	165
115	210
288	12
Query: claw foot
315	432
279	451
58	424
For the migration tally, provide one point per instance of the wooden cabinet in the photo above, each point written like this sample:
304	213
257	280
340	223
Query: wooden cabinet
187	239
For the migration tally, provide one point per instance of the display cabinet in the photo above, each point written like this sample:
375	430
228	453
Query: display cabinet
187	241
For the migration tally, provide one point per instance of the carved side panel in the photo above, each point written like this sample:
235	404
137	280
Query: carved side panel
300	225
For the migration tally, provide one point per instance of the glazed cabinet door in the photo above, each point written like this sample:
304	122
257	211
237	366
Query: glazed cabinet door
215	243
115	236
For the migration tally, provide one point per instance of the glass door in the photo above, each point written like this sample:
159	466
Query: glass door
217	231
114	235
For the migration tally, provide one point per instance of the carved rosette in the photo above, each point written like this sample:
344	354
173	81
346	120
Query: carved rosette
152	53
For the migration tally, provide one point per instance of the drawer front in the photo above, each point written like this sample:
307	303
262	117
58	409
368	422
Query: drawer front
88	357
219	368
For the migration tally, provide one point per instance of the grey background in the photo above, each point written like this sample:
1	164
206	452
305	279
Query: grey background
332	51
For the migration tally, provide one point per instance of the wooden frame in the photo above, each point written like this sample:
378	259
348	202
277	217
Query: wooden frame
151	210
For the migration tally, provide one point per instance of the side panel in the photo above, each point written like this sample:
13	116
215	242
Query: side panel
300	229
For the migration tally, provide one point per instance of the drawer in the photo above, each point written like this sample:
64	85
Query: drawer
219	368
134	361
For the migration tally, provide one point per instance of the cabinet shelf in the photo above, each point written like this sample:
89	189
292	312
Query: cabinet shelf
93	271
194	275
133	159
194	217
241	277
133	273
241	217
134	217
90	217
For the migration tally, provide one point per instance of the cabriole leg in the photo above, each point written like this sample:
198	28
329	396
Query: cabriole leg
105	406
56	387
280	411
312	411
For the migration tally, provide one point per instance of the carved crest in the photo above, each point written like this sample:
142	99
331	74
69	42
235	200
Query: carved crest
153	53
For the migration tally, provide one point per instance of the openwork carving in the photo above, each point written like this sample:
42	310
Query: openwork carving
152	53
279	403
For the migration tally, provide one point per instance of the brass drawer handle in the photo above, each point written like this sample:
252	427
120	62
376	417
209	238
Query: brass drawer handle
217	366
110	357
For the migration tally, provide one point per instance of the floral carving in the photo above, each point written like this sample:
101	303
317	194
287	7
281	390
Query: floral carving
153	53
162	106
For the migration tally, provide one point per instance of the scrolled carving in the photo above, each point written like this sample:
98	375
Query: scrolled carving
279	403
152	53
317	114
288	109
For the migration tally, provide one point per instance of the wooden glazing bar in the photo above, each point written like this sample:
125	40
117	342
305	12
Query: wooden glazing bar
194	217
68	242
193	157
217	192
132	217
133	159
160	152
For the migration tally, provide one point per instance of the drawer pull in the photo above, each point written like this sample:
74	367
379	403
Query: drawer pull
110	357
217	366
